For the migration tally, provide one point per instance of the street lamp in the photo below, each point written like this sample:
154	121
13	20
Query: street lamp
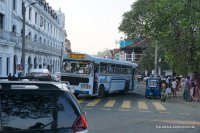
23	35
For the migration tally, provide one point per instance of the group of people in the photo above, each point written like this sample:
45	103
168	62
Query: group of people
191	91
173	84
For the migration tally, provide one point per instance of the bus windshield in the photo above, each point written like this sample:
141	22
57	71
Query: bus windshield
77	67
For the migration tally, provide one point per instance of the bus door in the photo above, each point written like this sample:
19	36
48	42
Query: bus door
96	77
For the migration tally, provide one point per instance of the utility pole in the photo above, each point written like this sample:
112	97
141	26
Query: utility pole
156	59
23	35
61	56
23	38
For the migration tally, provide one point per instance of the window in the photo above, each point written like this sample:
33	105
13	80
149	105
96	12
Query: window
14	28
41	21
14	4
103	68
36	17
1	66
34	110
44	24
30	12
7	65
118	69
1	20
111	68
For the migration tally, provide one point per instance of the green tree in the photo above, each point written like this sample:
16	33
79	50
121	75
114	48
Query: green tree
173	24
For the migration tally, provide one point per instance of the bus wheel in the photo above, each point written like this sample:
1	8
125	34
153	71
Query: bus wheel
101	92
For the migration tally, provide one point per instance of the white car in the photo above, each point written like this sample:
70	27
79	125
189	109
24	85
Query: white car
39	72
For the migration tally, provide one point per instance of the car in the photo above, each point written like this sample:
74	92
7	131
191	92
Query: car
39	106
39	72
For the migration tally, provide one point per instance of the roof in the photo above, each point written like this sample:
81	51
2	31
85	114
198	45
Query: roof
99	59
139	43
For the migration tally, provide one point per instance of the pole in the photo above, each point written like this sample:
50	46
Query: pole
61	57
156	59
23	38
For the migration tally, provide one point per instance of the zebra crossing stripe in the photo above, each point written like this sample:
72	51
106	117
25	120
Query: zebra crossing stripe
93	103
159	106
142	105
110	103
126	104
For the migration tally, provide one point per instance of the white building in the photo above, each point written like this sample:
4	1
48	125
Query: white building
44	31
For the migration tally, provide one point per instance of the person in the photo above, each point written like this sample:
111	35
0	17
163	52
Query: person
163	91
187	88
195	91
168	91
9	76
174	84
96	77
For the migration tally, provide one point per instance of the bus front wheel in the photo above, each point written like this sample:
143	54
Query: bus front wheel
101	92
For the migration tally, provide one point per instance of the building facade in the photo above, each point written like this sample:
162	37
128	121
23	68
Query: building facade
44	36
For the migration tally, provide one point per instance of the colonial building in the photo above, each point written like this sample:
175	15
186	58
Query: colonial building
44	36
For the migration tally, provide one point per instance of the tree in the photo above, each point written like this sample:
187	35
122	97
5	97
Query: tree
173	24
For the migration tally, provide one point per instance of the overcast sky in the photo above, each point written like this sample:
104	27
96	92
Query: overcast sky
92	25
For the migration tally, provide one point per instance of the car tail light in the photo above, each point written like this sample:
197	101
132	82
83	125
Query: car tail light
80	124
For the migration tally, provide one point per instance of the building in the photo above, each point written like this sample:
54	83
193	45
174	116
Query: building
131	50
44	31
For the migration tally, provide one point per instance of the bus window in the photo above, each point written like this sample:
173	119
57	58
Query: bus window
124	70
103	68
129	70
118	69
111	68
79	67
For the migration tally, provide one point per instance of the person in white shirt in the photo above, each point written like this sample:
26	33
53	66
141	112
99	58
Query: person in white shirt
174	84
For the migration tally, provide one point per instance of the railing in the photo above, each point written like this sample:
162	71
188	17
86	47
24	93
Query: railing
31	45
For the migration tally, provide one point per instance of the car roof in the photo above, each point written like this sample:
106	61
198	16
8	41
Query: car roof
32	85
39	71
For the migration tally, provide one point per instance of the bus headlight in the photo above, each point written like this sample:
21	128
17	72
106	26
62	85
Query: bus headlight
85	86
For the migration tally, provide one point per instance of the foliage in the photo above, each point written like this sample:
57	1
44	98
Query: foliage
173	24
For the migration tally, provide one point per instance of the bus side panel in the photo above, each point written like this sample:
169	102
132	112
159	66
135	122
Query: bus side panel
117	84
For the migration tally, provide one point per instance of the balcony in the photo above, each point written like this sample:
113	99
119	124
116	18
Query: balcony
30	45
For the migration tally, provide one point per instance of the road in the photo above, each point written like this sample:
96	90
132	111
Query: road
133	113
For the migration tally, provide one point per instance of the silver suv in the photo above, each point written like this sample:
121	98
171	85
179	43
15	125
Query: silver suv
39	107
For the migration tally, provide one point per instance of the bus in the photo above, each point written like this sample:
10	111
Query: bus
94	76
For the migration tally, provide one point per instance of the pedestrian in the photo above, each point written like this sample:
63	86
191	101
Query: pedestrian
192	89
187	88
174	84
195	91
168	91
96	78
9	76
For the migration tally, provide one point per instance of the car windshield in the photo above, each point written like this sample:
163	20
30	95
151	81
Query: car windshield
36	110
78	67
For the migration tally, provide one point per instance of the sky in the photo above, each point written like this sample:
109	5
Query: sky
92	25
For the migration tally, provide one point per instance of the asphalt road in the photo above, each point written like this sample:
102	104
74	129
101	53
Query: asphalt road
133	113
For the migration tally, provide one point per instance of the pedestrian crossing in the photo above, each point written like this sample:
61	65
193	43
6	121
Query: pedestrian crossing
126	104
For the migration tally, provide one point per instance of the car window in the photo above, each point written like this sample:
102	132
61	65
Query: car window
36	110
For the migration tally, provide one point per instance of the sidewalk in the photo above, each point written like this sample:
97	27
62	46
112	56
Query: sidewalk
179	99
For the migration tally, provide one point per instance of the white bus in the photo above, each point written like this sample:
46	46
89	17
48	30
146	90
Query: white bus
96	76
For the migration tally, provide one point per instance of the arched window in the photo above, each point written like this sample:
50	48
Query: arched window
30	12
35	37
14	28
40	39
29	35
